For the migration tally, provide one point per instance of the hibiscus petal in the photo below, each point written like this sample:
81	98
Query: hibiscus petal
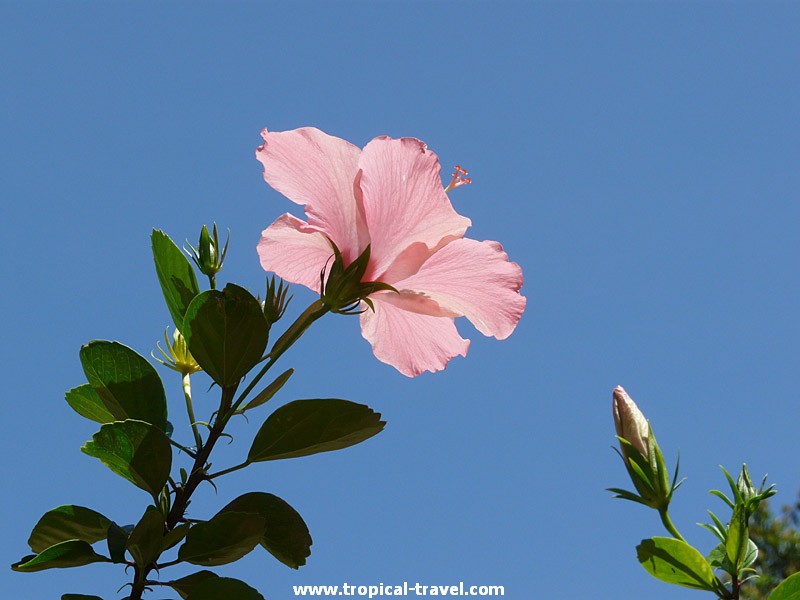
318	170
416	302
294	250
411	342
474	279
403	200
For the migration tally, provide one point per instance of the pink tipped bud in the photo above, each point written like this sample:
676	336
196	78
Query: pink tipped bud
631	424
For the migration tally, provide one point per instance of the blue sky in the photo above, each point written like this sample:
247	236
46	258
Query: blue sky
638	160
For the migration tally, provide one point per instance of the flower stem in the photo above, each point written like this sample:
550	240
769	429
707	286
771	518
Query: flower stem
664	514
227	409
735	587
187	393
316	310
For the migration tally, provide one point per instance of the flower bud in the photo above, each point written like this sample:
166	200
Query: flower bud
748	495
629	421
745	484
207	250
641	455
179	358
207	256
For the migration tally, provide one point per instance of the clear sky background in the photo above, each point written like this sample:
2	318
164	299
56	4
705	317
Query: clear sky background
638	159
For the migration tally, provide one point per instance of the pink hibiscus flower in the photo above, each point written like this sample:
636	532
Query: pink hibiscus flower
388	196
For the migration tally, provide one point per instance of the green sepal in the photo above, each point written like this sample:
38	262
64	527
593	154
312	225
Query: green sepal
341	288
224	588
144	543
226	332
72	553
117	541
788	589
268	392
79	597
305	427
207	252
674	561
648	473
175	274
286	535
185	585
661	468
275	300
127	384
223	539
68	522
135	450
626	495
640	479
87	403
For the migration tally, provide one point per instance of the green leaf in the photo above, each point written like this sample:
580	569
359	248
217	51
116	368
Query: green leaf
675	561
286	535
306	427
223	539
79	597
185	585
751	555
72	553
224	588
268	392
736	542
68	522
137	451
87	403
117	540
174	537
127	384
226	332
717	558
145	540
788	589
175	274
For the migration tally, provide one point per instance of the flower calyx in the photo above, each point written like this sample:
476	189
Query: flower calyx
207	256
276	301
341	288
179	358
